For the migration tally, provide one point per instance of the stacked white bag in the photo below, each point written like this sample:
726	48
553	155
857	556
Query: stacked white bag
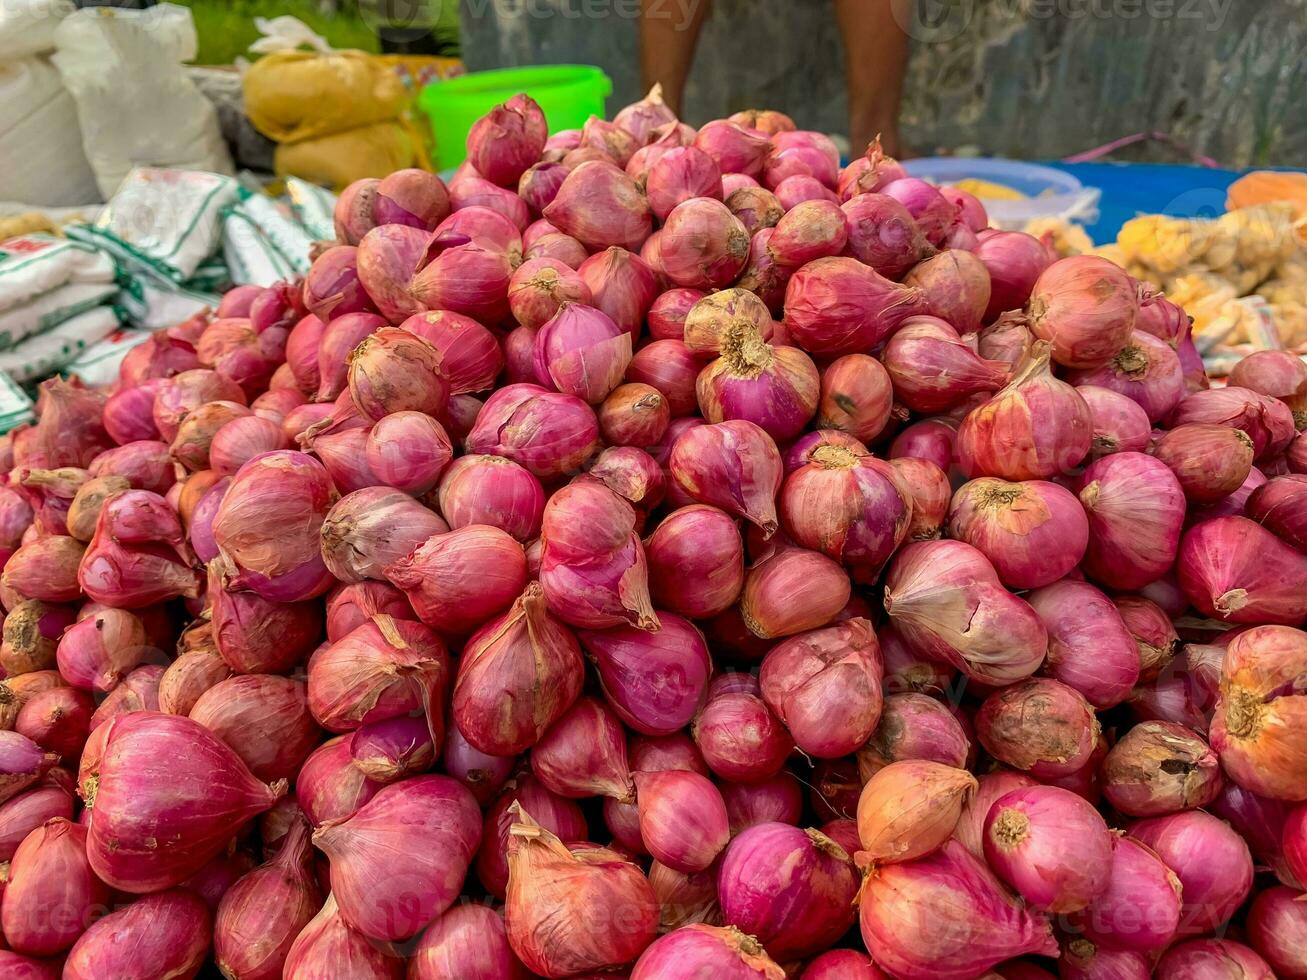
41	157
55	301
136	105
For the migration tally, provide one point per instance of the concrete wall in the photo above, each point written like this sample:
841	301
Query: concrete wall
1022	78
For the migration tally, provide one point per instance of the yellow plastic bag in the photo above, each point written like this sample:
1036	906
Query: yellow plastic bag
293	96
366	151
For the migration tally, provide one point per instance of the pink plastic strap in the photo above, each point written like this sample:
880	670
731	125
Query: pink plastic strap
1101	151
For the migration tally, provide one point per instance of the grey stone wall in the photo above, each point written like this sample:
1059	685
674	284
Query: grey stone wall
1022	78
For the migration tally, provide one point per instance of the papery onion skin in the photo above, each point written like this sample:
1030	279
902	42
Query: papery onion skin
432	825
564	815
946	916
1140	907
856	397
1160	767
139	795
557	895
884	235
792	889
1267	421
383	668
1212	959
1083	960
909	809
1280	505
1136	510
261	914
683	819
1258	724
1277	928
792	590
1120	425
161	935
732	465
550	433
264	719
825	685
584	753
1210	461
1089	647
991	786
1235	570
774	386
438	576
1086	306
1145	370
914	726
518	674
655	682
1035	428
469	942
837	306
329	947
51	895
933	370
1213	888
991	635
723	952
740	738
851	508
1040	726
1051	846
1033	532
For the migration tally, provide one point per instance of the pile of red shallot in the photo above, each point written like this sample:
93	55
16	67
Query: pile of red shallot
661	553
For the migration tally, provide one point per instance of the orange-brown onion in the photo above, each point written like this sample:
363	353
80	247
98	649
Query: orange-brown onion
928	488
1258	729
856	396
910	808
947	602
1160	767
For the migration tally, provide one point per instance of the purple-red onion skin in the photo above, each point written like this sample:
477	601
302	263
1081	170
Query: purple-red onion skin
1033	532
1213	888
468	942
400	860
708	950
825	685
904	905
1051	846
1210	959
161	935
792	912
1089	647
152	765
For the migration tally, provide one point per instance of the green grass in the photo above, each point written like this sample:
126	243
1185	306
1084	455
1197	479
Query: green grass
226	27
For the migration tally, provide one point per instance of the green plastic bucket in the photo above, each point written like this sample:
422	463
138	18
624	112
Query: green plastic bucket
568	94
